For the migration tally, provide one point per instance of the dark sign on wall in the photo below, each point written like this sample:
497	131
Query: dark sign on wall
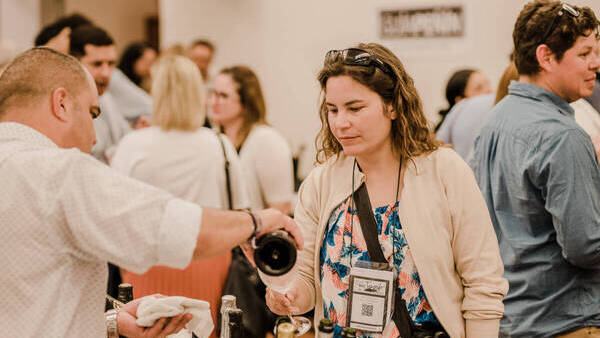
423	22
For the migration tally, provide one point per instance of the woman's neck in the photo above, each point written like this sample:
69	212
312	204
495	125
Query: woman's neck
232	130
381	161
381	169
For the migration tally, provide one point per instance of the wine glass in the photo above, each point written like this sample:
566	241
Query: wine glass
282	284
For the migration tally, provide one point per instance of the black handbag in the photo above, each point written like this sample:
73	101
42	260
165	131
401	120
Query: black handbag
243	282
401	317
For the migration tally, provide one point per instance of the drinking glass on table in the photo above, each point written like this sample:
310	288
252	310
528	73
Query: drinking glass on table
275	258
282	285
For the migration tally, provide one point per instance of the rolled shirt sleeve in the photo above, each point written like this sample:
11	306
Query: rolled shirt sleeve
114	218
179	231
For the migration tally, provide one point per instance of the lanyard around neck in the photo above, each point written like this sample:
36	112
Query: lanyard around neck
352	208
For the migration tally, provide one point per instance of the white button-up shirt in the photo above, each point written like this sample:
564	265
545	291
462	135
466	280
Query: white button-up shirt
63	215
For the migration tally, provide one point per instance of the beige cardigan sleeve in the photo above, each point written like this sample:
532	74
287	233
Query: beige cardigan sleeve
306	216
475	249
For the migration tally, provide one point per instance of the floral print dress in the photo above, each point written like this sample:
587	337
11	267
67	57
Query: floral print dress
343	242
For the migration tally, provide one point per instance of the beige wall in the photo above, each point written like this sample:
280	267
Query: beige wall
285	41
19	23
124	20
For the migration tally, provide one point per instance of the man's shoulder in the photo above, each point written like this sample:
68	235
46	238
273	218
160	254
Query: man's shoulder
48	163
528	119
264	133
263	137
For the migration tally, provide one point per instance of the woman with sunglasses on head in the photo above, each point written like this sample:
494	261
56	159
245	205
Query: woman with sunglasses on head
238	108
419	210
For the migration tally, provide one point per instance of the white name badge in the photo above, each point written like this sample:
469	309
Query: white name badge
370	299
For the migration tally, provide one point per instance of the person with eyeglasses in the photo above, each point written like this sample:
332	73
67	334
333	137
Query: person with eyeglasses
179	155
238	110
64	215
383	176
539	174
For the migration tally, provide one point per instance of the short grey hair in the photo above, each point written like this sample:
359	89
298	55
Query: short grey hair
37	73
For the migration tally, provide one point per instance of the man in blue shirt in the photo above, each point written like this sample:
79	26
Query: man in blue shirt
540	177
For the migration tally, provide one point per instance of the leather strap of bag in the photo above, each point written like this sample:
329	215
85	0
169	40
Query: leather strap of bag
367	223
227	179
366	217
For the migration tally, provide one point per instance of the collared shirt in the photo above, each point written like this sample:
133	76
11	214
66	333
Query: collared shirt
132	100
63	215
538	172
462	124
110	127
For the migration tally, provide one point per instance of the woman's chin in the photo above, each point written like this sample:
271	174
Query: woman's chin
350	151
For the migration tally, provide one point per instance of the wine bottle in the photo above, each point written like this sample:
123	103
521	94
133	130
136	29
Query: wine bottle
275	253
236	329
325	328
227	304
125	295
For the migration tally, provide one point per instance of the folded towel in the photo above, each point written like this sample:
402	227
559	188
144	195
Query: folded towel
152	309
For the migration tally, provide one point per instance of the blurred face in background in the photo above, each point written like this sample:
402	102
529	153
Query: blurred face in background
202	56
477	84
100	61
225	101
144	63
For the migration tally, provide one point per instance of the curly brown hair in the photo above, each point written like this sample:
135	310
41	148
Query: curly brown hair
510	74
409	133
535	19
251	99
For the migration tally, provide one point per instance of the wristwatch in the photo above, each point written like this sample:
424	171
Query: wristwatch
111	323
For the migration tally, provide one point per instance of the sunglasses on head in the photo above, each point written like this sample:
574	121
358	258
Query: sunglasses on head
358	57
565	8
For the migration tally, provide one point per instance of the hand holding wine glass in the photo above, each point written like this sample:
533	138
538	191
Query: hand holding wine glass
282	304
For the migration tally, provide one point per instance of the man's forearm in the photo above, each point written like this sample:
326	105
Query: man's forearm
221	231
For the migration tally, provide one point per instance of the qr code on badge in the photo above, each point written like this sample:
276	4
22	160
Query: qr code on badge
366	310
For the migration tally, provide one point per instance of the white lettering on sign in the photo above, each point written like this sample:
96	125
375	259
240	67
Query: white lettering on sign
431	22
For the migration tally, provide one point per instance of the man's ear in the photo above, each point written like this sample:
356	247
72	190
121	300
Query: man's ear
59	104
545	57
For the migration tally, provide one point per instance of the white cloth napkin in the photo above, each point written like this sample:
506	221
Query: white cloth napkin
151	309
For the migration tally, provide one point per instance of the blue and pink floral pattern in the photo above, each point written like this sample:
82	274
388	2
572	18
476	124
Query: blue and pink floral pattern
343	242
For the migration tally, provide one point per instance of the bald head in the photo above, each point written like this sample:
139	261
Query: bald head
35	74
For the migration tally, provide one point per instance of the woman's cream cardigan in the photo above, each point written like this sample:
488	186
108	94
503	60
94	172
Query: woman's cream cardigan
448	229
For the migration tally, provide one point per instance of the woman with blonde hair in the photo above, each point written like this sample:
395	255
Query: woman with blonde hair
179	155
391	208
238	109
